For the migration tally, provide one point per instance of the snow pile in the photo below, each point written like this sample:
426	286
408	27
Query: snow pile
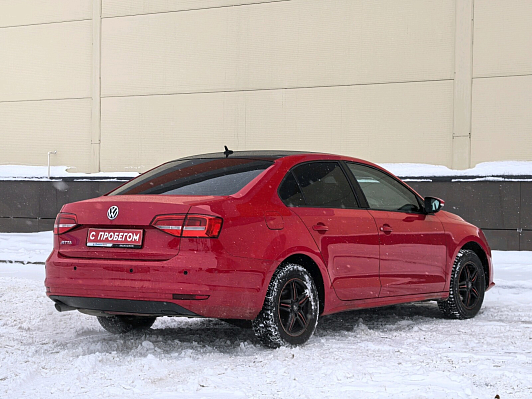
404	351
25	247
506	168
25	172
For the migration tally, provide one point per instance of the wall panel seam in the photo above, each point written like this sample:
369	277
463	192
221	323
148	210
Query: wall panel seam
196	9
46	23
503	76
277	88
96	85
463	73
45	99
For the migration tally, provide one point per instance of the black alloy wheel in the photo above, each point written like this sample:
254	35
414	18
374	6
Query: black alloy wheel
294	307
290	312
467	287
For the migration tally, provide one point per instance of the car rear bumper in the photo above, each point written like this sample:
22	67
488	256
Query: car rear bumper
122	306
212	285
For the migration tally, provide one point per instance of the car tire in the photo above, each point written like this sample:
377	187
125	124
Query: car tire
467	287
290	312
125	324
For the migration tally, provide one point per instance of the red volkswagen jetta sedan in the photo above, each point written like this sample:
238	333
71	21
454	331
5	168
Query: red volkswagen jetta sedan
279	238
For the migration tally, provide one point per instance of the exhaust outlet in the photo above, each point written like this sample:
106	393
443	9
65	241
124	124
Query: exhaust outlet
61	307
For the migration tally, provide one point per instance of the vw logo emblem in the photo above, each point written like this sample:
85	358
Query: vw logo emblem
112	212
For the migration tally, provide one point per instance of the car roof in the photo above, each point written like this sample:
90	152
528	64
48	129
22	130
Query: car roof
269	155
273	155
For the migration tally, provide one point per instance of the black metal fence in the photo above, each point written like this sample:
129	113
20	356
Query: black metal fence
28	206
503	209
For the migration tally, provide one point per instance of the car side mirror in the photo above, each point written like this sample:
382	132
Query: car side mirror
433	204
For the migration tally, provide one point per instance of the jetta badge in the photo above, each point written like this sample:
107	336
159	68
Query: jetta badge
112	212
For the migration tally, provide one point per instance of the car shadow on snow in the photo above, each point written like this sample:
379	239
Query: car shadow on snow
169	335
172	335
395	317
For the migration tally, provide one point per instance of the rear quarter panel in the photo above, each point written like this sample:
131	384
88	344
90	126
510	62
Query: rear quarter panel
245	232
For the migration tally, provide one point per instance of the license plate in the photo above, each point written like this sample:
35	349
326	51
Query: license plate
114	238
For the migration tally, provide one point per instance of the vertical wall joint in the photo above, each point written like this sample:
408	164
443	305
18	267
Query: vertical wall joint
96	84
463	80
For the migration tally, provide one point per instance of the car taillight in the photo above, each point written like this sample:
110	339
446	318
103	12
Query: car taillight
192	226
202	226
65	222
171	224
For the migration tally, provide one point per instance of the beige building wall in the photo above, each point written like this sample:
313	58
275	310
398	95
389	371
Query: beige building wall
125	85
300	74
360	120
45	82
502	81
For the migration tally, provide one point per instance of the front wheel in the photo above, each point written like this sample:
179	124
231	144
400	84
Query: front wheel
125	324
290	312
467	287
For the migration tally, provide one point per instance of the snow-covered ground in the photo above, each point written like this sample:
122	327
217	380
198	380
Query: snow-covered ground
406	351
28	172
25	247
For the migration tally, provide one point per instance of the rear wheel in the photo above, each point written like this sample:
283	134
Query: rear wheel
466	291
290	312
125	324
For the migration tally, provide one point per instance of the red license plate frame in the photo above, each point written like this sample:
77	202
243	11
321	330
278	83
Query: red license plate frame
115	238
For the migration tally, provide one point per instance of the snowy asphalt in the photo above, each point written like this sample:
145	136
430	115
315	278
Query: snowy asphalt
404	351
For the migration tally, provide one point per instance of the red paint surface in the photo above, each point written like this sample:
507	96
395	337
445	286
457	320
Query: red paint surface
360	265
412	253
350	248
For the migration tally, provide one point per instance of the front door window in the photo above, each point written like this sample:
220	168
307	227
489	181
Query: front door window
384	192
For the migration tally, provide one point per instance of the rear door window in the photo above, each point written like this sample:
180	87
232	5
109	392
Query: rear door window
320	185
289	191
216	177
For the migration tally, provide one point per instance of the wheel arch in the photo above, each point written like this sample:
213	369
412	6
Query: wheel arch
479	251
311	266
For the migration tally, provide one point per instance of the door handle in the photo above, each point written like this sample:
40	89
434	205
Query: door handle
320	227
386	228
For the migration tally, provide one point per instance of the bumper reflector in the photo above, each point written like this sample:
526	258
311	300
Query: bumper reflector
185	297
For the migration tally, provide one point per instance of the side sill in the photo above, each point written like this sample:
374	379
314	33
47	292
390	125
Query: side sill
385	301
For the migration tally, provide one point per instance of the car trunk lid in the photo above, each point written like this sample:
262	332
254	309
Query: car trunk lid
120	227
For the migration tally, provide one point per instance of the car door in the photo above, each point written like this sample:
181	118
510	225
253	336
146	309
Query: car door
321	195
412	243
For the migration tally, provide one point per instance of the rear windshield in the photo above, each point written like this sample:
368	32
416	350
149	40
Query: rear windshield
196	177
